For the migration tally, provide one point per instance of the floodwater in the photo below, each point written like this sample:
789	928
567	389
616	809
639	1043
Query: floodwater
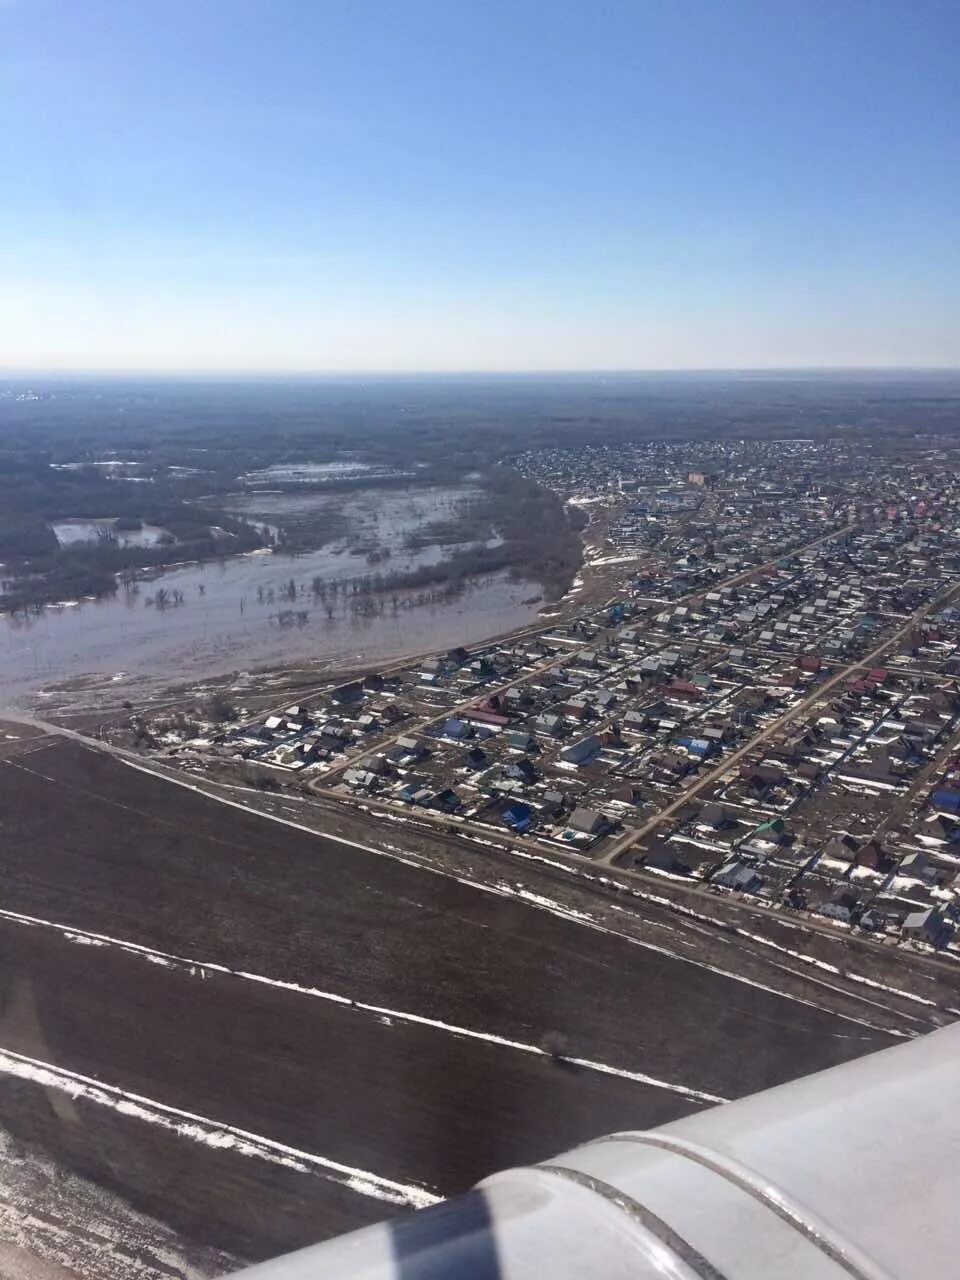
70	532
381	516
319	472
255	610
231	627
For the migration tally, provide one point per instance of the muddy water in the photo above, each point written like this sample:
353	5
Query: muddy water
229	628
239	614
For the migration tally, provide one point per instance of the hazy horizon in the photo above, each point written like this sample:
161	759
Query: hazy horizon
770	371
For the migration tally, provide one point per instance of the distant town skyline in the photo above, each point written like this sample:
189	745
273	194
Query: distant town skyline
317	187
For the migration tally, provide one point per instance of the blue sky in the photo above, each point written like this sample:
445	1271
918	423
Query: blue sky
442	184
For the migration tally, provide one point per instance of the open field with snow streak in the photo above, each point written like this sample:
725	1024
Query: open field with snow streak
263	1036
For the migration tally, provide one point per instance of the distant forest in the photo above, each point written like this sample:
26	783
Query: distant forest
486	418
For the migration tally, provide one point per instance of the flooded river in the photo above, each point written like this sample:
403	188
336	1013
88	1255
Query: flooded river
242	613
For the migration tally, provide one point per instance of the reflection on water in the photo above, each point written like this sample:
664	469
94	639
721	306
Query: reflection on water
387	515
237	614
70	532
265	608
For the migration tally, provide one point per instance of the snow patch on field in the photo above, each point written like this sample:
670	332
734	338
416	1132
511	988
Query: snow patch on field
832	968
388	1017
64	1221
470	1033
211	1133
614	560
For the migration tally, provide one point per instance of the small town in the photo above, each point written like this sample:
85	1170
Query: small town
751	688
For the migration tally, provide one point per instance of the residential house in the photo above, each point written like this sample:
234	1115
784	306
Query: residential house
583	752
550	725
663	856
348	695
716	816
737	875
519	771
456	729
590	822
926	926
552	804
630	793
841	848
407	750
519	817
917	866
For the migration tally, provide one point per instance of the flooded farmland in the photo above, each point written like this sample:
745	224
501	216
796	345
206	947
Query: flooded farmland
201	620
70	532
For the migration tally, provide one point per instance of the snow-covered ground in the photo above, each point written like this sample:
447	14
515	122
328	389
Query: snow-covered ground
55	1225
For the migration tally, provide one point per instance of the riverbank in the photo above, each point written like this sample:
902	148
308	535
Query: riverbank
87	700
266	610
